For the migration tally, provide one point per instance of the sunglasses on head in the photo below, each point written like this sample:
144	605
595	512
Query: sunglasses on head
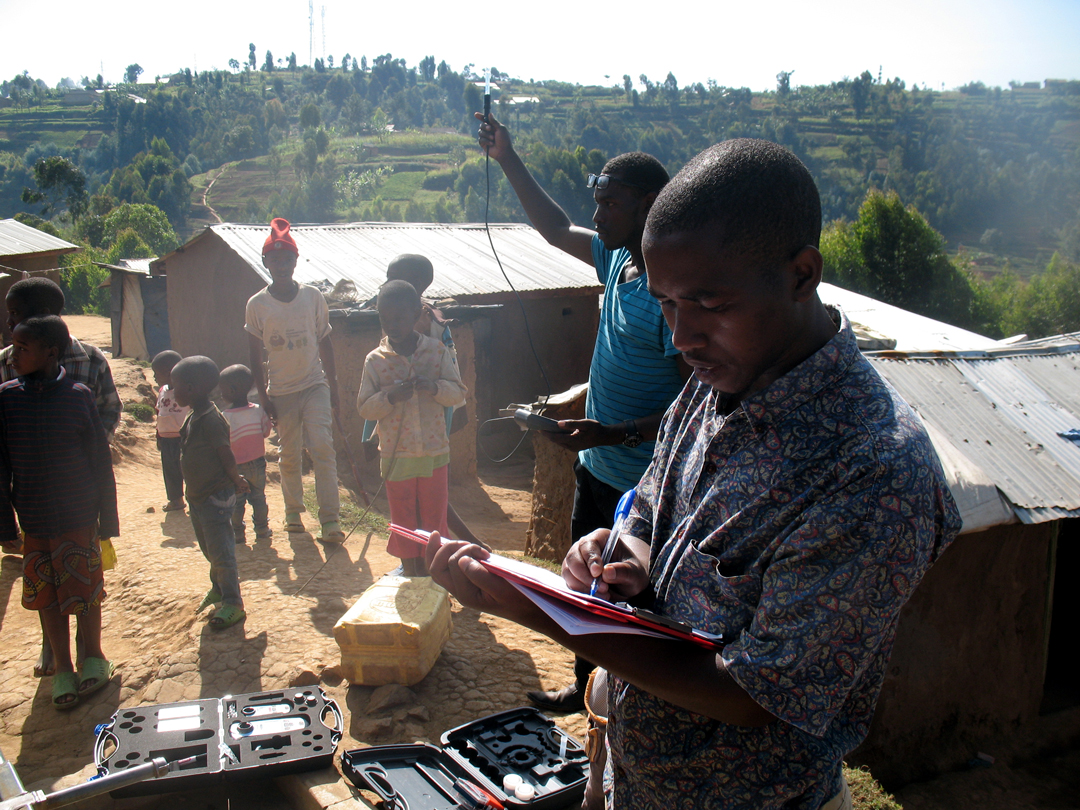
602	181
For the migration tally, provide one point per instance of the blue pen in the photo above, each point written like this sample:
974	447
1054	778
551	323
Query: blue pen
621	511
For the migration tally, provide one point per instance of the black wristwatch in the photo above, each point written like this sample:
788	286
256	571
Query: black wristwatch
633	435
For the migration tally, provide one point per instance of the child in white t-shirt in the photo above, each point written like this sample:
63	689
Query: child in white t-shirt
289	323
170	417
248	427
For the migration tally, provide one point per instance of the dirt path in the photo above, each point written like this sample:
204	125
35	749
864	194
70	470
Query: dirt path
166	653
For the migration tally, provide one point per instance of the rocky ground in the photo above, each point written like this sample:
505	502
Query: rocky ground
165	652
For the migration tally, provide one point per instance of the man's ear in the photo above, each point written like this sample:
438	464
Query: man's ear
807	266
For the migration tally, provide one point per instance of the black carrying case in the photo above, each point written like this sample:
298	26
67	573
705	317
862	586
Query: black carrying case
522	741
261	734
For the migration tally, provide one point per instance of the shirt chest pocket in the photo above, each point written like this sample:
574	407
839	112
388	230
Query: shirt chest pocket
702	596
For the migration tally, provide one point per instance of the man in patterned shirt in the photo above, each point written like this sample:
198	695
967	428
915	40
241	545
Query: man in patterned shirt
793	503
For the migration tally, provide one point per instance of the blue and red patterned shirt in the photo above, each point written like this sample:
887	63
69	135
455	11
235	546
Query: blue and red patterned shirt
796	523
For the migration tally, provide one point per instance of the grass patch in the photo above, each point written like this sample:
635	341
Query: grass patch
140	410
351	515
866	792
402	185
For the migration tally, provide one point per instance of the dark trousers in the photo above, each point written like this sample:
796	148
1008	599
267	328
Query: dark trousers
594	508
169	447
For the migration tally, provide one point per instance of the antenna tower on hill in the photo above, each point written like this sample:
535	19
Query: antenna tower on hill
323	32
311	29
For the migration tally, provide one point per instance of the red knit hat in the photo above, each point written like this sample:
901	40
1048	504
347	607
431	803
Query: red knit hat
280	238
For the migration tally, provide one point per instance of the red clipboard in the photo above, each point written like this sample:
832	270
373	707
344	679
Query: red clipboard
544	582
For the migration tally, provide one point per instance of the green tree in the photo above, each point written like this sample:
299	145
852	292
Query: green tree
891	253
783	82
338	90
427	68
251	55
274	114
132	74
59	183
128	245
268	65
147	222
309	116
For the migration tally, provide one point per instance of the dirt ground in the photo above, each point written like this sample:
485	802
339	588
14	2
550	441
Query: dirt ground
166	653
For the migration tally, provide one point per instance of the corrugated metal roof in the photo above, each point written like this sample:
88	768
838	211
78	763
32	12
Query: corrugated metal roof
1003	413
911	332
464	264
17	239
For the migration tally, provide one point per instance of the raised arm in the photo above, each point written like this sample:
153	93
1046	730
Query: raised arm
543	212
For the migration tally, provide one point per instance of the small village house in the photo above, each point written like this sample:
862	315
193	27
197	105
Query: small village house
210	279
138	309
26	251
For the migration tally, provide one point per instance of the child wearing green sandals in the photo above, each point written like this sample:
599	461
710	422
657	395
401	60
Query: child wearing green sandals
56	473
212	483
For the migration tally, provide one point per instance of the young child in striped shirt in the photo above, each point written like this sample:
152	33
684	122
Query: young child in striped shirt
248	427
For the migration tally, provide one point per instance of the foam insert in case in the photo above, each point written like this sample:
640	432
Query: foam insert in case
260	734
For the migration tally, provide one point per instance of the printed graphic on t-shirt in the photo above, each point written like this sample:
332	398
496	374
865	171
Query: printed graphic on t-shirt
292	340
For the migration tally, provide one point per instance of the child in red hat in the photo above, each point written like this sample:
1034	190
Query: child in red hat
298	390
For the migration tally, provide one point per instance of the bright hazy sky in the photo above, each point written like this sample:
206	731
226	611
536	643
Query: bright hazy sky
929	42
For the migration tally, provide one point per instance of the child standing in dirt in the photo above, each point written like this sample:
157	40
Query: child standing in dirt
418	271
248	427
407	383
170	417
290	322
84	363
56	472
212	485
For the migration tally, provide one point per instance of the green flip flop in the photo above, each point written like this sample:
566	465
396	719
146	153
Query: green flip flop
65	684
213	596
226	616
95	673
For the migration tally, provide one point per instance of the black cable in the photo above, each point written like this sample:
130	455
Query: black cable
521	305
364	514
495	253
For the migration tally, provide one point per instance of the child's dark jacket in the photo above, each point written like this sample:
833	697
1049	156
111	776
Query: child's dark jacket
55	462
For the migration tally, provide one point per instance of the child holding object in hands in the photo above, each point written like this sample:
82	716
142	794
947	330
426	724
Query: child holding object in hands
408	382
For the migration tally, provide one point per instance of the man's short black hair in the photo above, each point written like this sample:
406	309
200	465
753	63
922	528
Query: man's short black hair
239	376
200	371
398	293
413	268
756	196
48	330
38	295
639	168
164	361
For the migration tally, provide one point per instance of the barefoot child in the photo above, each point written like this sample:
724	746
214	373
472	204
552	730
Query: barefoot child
417	270
170	417
248	426
212	484
407	383
56	472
